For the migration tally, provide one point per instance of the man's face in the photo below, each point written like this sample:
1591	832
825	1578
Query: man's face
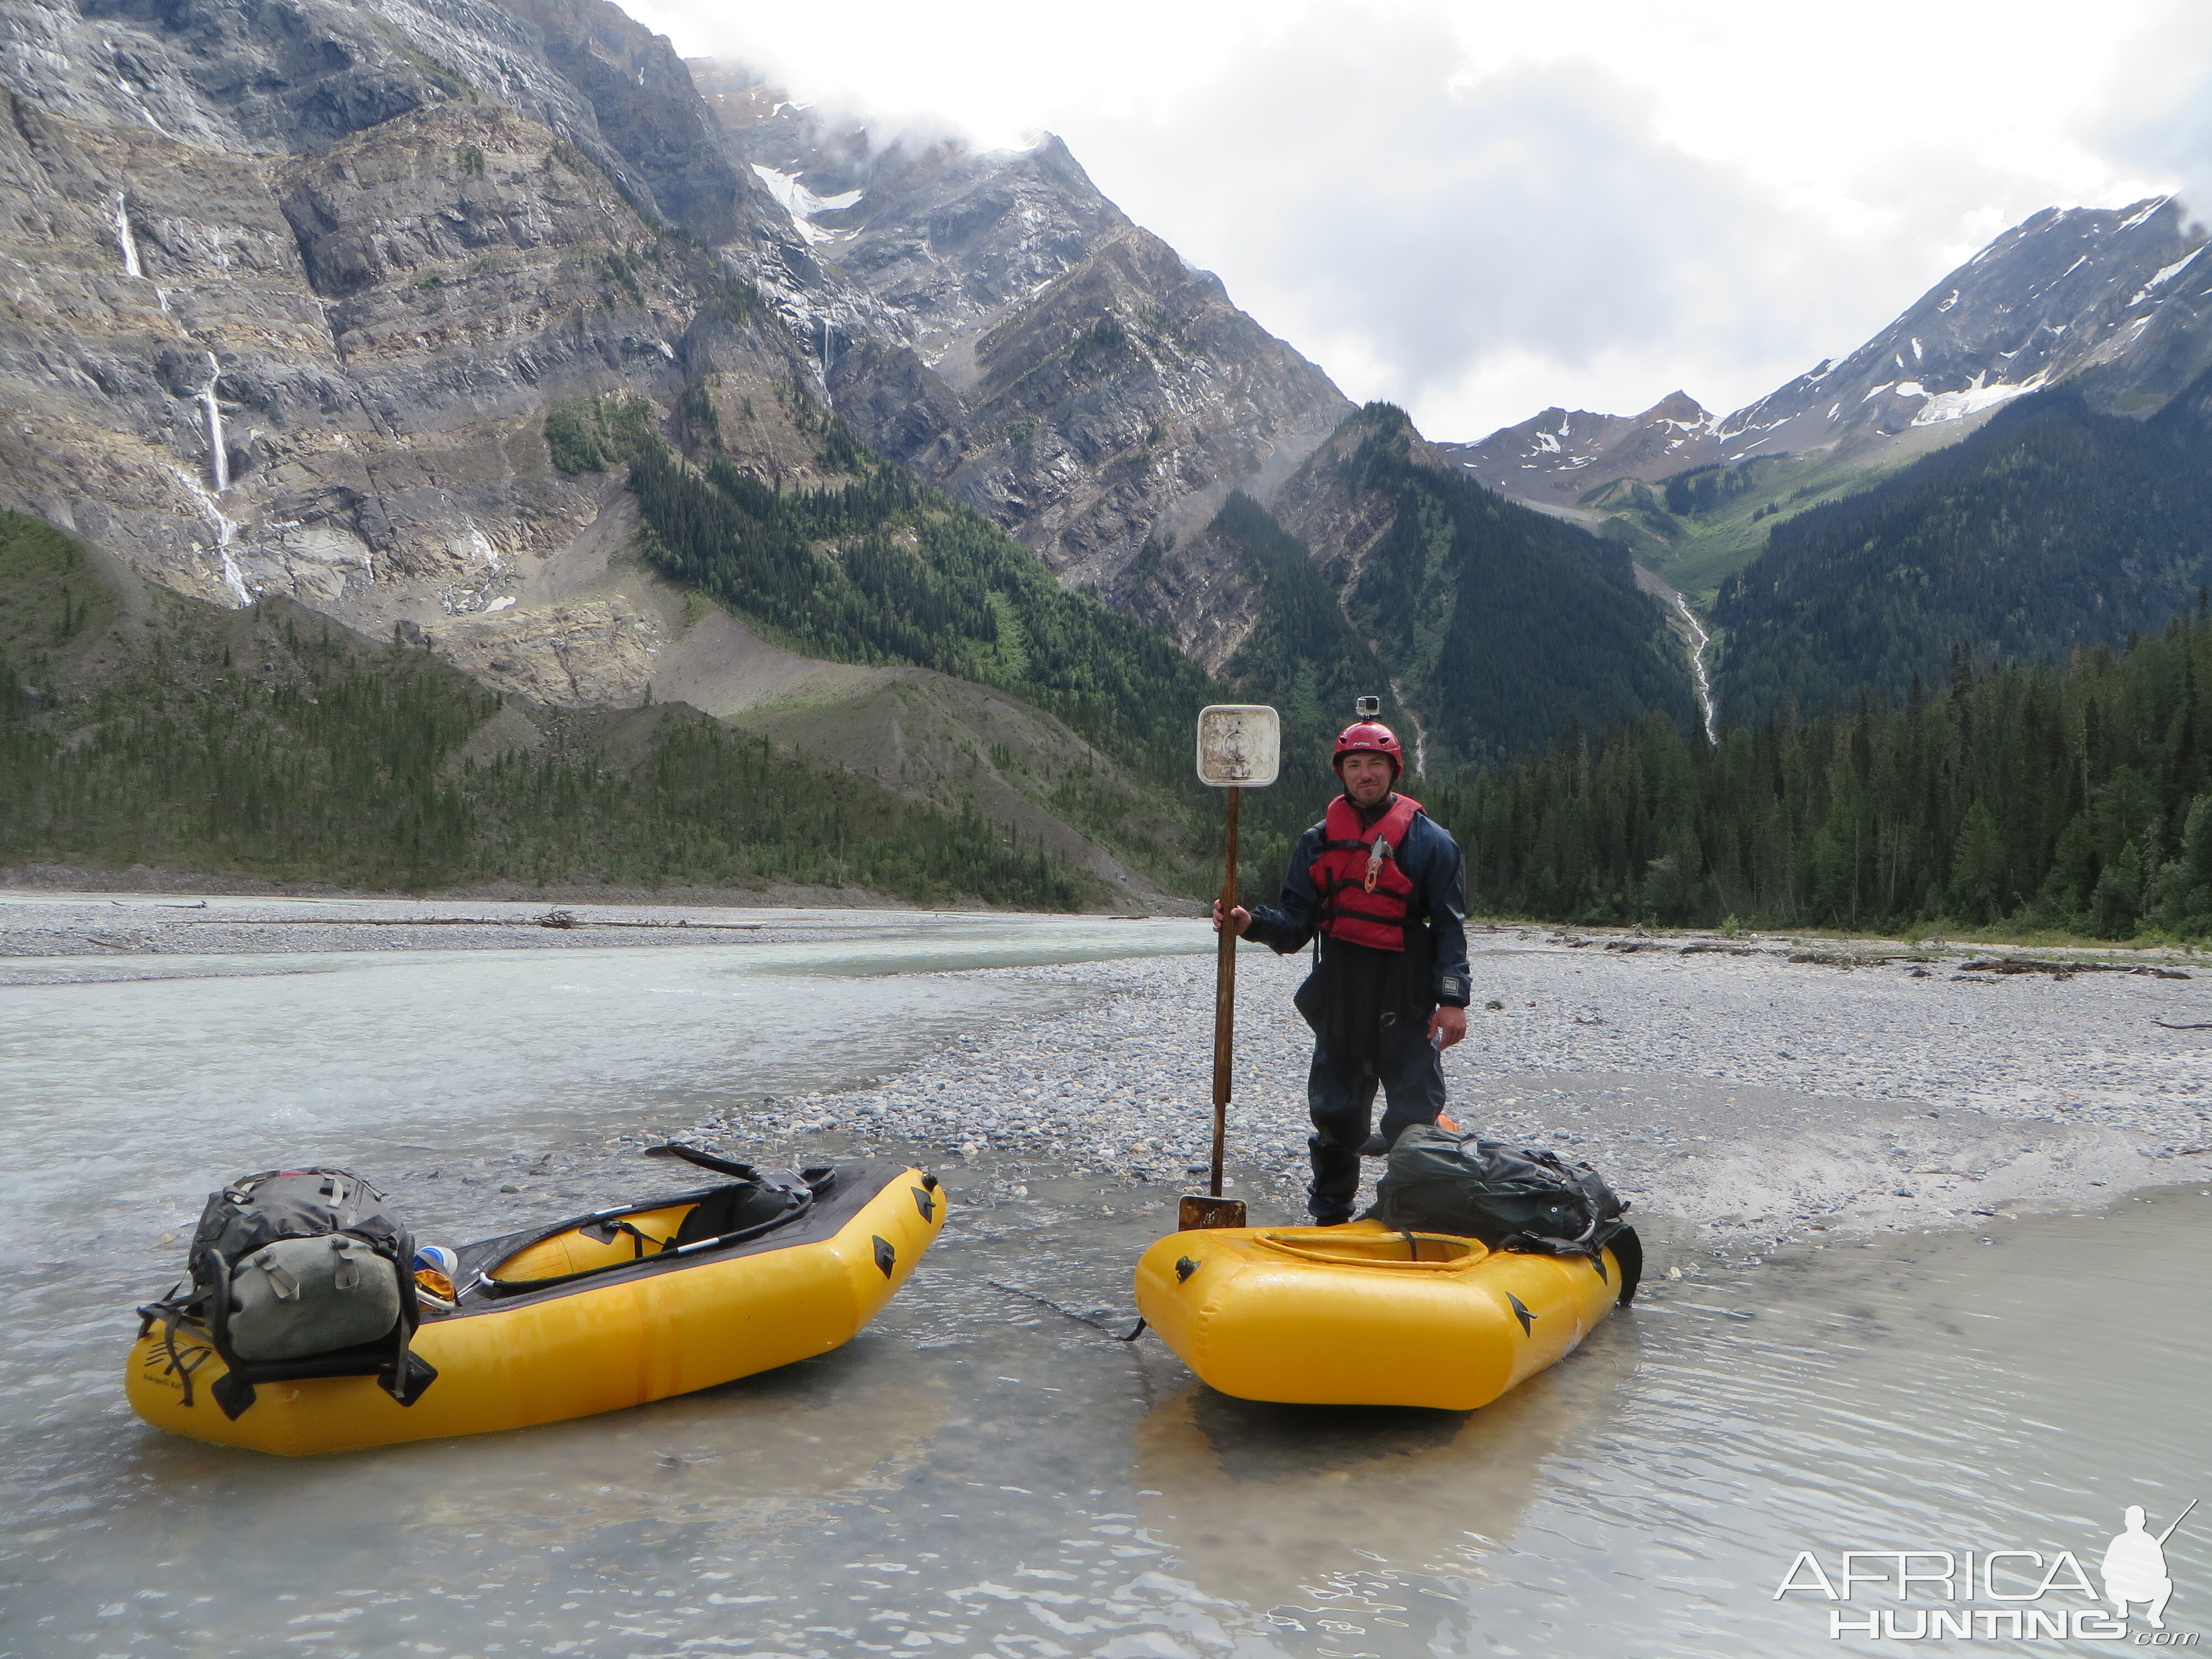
1366	777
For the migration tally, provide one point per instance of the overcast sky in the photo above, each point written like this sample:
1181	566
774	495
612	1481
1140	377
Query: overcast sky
1479	210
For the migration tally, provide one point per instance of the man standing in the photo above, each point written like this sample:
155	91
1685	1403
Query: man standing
1380	887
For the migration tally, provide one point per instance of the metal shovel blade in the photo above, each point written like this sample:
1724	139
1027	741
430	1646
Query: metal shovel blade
1240	745
1199	1212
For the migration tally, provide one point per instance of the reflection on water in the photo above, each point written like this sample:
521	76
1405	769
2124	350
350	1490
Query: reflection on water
1292	1508
982	1473
587	1529
979	1473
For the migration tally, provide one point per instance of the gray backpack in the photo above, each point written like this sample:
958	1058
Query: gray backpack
301	1273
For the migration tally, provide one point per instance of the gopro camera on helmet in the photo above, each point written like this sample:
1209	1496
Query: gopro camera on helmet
1368	735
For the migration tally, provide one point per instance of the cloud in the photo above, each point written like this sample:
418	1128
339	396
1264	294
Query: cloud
1477	245
1001	69
2155	116
1462	207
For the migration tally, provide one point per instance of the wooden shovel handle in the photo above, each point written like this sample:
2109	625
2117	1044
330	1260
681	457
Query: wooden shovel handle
1224	993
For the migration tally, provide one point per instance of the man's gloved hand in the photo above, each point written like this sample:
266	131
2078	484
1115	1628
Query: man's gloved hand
1240	919
1448	1023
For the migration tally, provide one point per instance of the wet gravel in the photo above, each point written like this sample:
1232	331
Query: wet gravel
1741	1098
114	935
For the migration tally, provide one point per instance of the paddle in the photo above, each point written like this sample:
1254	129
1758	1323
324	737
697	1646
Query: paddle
704	1160
1239	748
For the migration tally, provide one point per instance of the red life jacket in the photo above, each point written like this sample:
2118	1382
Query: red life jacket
1364	892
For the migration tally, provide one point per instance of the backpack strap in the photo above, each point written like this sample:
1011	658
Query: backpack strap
168	1313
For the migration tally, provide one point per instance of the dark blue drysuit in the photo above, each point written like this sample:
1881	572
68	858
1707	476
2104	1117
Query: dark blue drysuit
1369	1009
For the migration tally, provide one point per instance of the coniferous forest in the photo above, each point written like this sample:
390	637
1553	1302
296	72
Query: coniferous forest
2076	798
1303	656
886	570
1508	624
2054	526
271	743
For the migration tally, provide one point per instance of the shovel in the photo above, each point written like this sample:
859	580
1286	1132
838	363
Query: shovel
1239	747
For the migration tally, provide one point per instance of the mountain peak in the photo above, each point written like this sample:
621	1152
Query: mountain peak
1678	406
2093	293
1555	458
2061	292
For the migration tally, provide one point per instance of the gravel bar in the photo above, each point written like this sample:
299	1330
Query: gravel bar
1742	1092
1743	1096
112	935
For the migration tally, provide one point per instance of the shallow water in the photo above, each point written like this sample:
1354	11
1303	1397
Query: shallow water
126	1100
980	1472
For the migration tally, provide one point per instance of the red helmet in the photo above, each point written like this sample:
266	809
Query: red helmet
1369	737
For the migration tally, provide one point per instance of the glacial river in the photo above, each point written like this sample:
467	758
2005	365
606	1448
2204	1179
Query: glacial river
978	1473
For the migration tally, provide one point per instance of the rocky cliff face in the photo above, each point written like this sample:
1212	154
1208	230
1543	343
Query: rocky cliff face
342	303
994	322
942	236
299	286
1124	402
296	287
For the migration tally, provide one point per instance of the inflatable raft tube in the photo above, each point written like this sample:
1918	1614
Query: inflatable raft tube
588	1315
1361	1315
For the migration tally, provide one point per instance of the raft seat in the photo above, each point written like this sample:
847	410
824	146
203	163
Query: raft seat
1341	1249
579	1251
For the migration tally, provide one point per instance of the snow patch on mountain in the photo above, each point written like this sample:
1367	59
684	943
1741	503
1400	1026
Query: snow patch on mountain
2066	293
2144	214
2164	276
802	203
1973	399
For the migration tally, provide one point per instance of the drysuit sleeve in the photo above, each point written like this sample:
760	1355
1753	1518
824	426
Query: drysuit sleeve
1288	925
1444	896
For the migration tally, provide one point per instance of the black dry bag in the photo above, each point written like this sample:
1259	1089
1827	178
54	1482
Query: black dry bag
1528	1199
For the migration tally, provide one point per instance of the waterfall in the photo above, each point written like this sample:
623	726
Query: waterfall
218	456
1698	640
234	577
225	528
1420	731
125	240
226	532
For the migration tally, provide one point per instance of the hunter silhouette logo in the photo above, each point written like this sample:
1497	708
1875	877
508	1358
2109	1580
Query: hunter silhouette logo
2135	1567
